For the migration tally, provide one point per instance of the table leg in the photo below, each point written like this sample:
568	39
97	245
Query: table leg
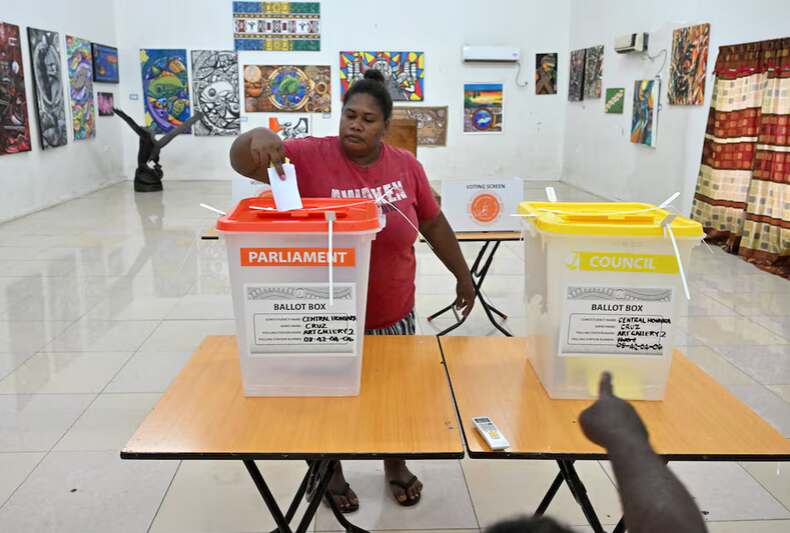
268	497
555	486
620	528
474	273
580	494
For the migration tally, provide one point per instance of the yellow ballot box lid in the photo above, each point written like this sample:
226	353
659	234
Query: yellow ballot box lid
606	219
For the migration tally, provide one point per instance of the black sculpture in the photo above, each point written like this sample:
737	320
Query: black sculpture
147	179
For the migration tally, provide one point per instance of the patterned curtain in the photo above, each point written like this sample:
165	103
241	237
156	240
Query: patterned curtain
743	188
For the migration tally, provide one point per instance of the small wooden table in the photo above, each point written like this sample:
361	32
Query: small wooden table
698	420
205	415
479	271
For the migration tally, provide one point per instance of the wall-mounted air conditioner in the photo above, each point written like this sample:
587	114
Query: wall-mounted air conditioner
633	42
490	54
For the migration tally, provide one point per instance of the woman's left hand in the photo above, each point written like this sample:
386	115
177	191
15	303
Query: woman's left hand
465	296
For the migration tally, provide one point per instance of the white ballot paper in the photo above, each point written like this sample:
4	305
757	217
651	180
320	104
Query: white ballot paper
285	191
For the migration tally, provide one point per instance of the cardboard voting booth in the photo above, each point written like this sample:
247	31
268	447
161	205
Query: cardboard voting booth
482	205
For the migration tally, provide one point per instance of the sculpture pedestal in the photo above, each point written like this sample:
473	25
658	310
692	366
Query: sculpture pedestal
148	179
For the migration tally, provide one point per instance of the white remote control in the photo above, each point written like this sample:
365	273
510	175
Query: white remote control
490	433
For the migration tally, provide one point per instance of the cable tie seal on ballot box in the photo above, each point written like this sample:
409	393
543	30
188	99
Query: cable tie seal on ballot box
330	216
667	225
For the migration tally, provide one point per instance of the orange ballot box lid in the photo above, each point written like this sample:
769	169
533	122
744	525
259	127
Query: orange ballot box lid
260	215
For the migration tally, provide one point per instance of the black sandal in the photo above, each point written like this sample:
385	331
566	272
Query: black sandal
331	498
408	502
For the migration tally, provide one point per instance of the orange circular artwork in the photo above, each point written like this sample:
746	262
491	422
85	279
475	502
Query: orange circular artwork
485	208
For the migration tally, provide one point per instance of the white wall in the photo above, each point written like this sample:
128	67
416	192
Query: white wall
33	180
531	146
599	156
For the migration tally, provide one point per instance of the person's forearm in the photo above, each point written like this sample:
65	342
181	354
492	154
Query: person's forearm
653	499
242	161
441	237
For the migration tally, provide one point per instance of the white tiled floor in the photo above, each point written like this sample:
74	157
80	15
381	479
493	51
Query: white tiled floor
103	299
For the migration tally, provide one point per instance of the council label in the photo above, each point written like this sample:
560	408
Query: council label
297	318
616	321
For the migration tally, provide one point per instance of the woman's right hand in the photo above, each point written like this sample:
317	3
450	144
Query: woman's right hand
266	148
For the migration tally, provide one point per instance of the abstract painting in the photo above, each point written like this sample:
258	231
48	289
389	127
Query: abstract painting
689	61
593	70
48	83
431	123
80	64
14	126
289	126
105	104
644	124
165	88
483	107
404	72
277	26
289	88
576	75
615	98
215	90
546	73
105	63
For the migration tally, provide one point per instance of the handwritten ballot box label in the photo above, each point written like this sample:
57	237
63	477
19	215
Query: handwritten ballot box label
298	318
632	321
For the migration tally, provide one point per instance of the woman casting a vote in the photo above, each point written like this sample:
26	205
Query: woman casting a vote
358	164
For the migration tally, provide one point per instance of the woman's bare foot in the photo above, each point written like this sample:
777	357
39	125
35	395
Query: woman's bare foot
405	486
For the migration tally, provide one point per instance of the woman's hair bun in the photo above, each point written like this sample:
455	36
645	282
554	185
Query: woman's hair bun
373	74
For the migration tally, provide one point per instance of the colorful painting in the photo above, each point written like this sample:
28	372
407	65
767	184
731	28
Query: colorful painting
615	98
593	70
165	88
644	124
576	76
289	126
404	72
48	84
277	26
546	73
289	88
688	65
483	107
431	123
215	90
83	111
14	126
105	104
105	63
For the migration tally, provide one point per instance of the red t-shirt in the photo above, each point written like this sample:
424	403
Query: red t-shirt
324	171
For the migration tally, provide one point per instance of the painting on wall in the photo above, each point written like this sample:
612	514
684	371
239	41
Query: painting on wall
688	65
576	76
14	125
165	88
644	124
106	104
593	70
215	90
483	107
404	72
431	123
288	88
83	110
546	73
277	26
290	126
615	98
105	63
48	84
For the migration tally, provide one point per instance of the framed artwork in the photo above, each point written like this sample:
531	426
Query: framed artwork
593	70
105	104
277	26
105	63
215	91
546	73
290	126
83	110
431	123
615	98
14	125
688	65
165	88
576	75
48	84
483	107
404	72
287	88
644	124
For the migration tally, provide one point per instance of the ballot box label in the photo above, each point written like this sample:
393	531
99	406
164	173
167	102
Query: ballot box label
298	318
616	321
